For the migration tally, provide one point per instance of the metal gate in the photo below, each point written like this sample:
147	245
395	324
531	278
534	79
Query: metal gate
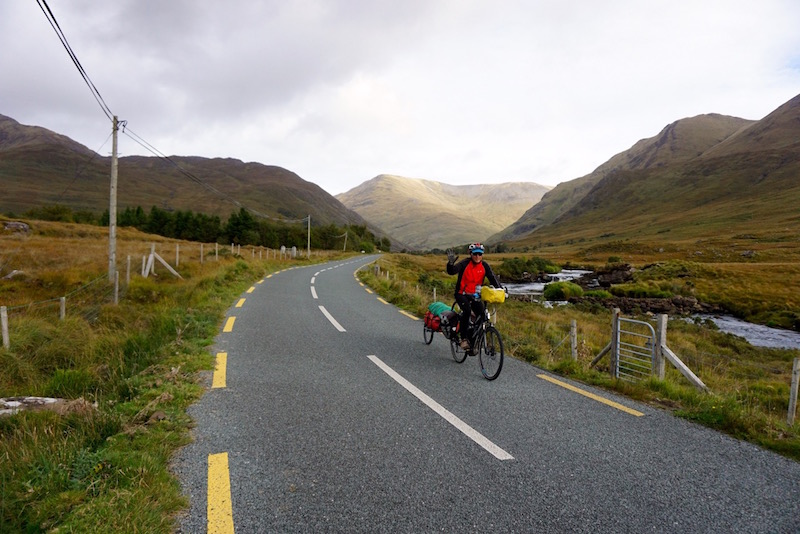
636	346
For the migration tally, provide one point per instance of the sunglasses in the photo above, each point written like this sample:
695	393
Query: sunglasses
477	253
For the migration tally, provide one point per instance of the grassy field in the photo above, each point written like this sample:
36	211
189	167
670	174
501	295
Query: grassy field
129	372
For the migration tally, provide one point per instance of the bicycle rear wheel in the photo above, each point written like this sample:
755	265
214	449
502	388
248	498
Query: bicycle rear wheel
490	353
427	334
459	354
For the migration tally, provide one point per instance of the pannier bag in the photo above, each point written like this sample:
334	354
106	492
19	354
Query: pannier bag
437	308
491	294
432	321
449	318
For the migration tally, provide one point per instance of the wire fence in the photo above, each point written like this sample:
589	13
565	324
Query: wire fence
88	299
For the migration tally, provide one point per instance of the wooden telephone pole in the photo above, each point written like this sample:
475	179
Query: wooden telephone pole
112	205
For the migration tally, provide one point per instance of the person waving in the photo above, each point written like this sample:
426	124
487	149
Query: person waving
471	273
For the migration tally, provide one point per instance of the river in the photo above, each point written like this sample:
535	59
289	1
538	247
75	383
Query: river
756	334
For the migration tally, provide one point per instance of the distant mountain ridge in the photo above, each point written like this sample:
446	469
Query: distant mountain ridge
679	141
427	214
699	176
40	167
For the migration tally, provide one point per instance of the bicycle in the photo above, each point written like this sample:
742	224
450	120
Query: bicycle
485	339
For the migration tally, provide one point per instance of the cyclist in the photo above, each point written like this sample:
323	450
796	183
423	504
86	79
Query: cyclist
471	272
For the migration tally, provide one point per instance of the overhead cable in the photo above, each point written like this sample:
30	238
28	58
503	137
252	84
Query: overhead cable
51	18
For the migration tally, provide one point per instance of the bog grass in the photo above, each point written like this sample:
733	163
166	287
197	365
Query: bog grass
749	385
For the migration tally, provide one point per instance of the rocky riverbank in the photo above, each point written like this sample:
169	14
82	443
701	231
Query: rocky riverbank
620	274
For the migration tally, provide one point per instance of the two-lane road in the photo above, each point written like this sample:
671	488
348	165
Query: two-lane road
334	416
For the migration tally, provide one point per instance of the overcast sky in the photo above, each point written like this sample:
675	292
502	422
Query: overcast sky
339	91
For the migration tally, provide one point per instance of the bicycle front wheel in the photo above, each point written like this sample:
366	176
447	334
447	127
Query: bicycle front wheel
491	353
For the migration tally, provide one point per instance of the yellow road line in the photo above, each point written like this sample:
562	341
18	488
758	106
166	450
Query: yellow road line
252	288
220	508
409	315
368	290
269	276
221	371
260	281
240	303
592	396
229	324
381	300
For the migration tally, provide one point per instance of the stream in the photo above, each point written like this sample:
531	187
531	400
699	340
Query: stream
756	334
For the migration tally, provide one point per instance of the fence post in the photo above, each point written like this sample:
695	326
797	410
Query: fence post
434	294
177	254
216	251
573	339
793	391
614	342
128	273
62	312
4	322
661	341
116	287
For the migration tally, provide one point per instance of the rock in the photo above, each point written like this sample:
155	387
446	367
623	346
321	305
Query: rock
156	417
606	277
16	226
12	405
671	306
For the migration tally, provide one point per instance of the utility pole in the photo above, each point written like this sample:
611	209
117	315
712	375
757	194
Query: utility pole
112	205
344	248
309	236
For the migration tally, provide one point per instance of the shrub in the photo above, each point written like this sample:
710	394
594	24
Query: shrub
562	291
598	294
513	268
640	291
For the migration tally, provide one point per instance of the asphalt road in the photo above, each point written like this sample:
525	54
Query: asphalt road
336	417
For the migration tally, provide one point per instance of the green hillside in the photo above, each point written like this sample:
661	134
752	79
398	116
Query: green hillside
428	214
39	167
707	177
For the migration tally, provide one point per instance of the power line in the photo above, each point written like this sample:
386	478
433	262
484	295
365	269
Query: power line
51	18
80	170
48	13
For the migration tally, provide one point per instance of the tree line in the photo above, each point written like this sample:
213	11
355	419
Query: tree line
241	228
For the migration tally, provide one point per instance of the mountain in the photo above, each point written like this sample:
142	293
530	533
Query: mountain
428	214
39	167
680	141
706	176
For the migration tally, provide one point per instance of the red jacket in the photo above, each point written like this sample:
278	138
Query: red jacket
465	284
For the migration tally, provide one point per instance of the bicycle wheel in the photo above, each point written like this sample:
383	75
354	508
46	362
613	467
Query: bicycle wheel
491	353
427	334
459	354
